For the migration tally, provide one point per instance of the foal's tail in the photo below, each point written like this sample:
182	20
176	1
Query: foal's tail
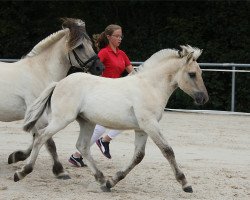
36	109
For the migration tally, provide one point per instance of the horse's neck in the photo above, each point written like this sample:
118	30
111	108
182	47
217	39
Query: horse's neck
162	78
53	61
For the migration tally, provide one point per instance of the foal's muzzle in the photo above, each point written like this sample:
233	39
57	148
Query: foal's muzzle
200	98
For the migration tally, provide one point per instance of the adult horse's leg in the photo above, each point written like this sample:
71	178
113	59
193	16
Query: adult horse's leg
139	152
44	135
83	146
21	155
151	127
58	169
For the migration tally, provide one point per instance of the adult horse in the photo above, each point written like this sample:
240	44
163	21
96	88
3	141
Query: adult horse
49	61
138	106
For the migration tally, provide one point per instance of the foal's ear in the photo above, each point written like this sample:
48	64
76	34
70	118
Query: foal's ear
183	52
190	56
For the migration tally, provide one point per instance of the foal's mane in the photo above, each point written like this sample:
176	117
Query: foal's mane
164	53
167	54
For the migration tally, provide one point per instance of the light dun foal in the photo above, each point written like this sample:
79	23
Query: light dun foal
138	106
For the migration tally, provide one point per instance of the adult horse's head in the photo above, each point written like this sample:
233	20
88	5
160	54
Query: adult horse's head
81	53
189	77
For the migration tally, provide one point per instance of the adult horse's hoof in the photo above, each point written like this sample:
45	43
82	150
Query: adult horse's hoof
16	177
10	159
188	189
64	177
16	156
105	189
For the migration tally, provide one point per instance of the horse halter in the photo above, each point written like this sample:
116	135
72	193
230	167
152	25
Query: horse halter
83	65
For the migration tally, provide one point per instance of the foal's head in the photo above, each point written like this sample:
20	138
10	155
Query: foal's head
80	48
189	77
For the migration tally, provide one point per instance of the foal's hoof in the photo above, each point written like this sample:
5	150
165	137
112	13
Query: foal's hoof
64	177
105	189
188	189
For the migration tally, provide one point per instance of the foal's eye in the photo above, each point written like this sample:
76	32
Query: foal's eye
192	74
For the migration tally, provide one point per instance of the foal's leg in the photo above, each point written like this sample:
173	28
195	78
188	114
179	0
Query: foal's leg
44	135
151	127
139	152
83	146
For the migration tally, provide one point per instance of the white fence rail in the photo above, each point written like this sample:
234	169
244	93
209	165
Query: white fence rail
233	70
218	68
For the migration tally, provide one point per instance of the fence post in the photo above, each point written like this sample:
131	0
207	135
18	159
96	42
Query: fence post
233	90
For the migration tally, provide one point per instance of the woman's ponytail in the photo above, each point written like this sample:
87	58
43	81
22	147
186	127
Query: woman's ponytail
100	40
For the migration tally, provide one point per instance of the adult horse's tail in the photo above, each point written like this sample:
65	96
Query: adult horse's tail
36	109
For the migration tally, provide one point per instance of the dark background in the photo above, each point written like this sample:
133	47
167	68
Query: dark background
220	28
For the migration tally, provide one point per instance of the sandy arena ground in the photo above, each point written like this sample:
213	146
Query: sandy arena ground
212	150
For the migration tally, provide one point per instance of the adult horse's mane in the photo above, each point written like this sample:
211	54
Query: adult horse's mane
51	39
77	29
171	53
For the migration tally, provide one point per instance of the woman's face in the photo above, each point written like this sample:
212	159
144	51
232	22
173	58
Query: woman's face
116	38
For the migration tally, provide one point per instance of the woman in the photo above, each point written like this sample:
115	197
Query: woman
115	62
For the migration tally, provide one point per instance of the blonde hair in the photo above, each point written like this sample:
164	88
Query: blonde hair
101	40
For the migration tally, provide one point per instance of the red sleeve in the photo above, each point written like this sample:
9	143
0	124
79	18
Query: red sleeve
126	59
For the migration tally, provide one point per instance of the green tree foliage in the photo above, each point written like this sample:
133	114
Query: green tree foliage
221	28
